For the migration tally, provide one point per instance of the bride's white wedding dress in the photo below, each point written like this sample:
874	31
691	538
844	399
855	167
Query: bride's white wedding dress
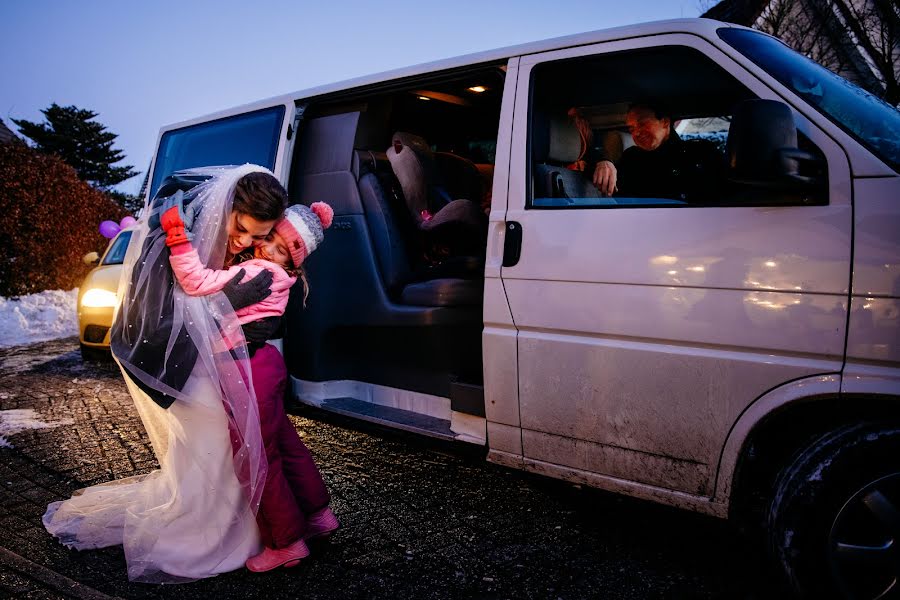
187	520
192	518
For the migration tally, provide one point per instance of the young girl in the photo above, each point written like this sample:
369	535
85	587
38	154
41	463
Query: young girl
294	503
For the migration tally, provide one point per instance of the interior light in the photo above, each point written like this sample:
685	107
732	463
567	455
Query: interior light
771	263
477	89
440	97
97	298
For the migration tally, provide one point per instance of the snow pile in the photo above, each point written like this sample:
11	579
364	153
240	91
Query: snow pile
19	419
38	317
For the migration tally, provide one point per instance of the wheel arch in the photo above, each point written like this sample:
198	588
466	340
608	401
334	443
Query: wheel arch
778	425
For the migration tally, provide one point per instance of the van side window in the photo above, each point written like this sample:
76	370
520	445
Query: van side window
247	138
654	119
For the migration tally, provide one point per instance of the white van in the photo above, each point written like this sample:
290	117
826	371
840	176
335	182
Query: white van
735	354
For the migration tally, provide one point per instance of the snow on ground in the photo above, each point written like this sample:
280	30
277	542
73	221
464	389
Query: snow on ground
16	420
38	317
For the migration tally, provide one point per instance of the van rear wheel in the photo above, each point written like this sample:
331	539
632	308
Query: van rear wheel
834	519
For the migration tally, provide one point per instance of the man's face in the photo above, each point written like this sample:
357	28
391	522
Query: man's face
647	131
245	231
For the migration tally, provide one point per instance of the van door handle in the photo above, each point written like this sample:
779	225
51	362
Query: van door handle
512	244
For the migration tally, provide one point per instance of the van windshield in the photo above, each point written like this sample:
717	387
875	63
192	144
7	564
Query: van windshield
873	122
247	138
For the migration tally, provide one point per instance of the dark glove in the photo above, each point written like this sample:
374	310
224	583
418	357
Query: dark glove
257	332
244	294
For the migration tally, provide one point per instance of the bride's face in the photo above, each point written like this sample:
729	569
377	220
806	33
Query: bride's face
245	231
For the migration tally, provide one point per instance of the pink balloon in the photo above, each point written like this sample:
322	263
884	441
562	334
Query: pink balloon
127	221
109	229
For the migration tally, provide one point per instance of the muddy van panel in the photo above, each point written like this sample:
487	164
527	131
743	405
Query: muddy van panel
656	326
873	342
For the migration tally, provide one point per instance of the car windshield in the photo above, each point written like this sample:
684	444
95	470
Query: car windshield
873	122
116	254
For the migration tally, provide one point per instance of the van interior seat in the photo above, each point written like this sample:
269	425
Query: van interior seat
556	143
613	143
429	193
393	235
384	221
459	177
355	324
447	226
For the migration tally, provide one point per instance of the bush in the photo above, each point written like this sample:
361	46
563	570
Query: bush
48	221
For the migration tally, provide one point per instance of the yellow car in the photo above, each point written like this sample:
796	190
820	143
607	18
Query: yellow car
97	297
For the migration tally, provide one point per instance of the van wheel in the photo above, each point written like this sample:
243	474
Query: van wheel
834	520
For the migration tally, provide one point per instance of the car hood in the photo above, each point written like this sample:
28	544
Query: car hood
104	277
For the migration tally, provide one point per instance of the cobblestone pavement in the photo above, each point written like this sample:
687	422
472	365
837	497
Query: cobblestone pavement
419	520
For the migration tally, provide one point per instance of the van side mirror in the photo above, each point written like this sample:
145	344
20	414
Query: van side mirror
762	152
91	258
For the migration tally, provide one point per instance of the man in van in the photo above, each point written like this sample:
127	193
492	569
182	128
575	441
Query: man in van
661	164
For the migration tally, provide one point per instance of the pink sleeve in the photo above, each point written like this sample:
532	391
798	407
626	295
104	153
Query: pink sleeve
197	280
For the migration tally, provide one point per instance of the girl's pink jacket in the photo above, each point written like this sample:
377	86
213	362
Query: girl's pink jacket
197	280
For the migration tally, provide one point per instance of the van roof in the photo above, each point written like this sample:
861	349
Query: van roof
704	27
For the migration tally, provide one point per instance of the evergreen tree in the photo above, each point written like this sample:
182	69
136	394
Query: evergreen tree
129	202
72	134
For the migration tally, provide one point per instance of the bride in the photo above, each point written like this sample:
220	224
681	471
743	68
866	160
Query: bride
185	364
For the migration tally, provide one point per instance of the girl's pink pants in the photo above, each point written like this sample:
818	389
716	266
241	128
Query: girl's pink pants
294	486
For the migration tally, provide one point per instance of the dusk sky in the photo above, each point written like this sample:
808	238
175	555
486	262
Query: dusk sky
144	65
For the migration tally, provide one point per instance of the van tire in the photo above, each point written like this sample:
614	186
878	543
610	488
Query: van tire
818	503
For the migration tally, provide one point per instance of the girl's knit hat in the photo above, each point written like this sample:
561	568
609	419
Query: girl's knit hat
302	228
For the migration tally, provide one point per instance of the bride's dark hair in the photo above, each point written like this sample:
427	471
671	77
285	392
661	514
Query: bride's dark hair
259	195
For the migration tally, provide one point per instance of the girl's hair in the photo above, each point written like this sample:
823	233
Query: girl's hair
300	273
259	195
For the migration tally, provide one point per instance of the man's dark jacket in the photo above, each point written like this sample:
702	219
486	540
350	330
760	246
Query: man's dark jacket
691	171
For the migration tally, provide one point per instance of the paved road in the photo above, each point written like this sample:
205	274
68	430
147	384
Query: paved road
419	520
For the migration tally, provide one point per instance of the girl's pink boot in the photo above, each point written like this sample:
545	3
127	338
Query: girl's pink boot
321	524
272	558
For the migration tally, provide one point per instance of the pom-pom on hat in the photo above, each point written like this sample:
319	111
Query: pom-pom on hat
302	228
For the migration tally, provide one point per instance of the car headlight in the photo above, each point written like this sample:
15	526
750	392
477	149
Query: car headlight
97	298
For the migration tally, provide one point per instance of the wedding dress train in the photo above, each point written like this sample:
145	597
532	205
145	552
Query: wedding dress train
187	520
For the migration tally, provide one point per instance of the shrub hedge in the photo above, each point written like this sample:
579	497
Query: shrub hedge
49	220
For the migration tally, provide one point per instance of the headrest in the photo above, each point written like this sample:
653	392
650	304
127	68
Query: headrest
416	143
412	161
613	144
334	132
558	141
